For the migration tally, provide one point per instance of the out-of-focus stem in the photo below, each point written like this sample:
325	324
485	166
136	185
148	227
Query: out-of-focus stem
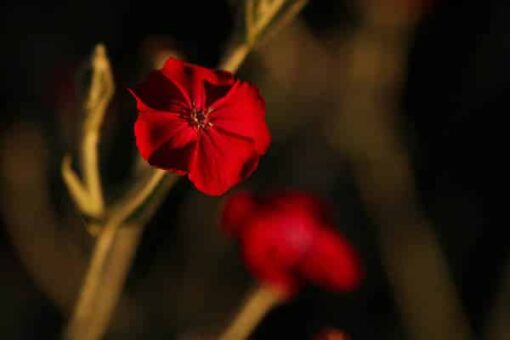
249	9
91	172
498	324
267	11
88	195
417	270
33	228
89	319
284	19
236	58
262	23
76	188
100	94
115	246
258	304
111	260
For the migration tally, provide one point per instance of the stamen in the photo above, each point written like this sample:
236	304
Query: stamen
198	118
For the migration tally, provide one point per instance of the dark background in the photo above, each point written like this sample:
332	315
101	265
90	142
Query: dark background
453	108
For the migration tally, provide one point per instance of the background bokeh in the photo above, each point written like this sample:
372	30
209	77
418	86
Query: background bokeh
445	84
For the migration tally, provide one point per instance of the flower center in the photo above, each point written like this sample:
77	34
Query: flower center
199	118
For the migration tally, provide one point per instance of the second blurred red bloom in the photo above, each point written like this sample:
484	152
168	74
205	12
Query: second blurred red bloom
288	239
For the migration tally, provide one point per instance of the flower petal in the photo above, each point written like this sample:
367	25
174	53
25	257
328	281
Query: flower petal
331	262
236	211
274	243
173	159
215	92
158	93
190	78
165	140
295	201
222	160
268	258
242	112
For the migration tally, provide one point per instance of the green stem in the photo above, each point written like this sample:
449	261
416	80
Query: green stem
112	258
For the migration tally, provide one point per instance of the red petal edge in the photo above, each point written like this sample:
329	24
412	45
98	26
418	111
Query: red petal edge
332	263
242	112
221	161
191	79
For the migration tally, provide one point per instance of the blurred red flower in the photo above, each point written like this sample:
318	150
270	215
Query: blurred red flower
288	239
200	122
331	334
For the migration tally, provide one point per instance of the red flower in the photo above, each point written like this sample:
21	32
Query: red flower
200	122
331	334
288	239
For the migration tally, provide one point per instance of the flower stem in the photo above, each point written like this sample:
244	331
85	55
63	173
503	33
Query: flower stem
101	91
410	250
235	57
88	194
103	282
258	304
111	260
261	26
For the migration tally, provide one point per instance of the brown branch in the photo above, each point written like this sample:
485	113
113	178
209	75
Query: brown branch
498	325
367	131
111	260
43	247
256	306
88	195
263	19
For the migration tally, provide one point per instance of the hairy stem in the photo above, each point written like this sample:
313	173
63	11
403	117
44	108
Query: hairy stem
88	195
100	94
258	304
262	22
236	58
411	252
111	260
498	326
